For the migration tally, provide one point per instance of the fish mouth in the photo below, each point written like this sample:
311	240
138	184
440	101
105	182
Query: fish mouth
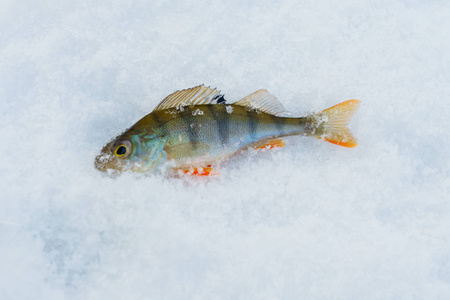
101	162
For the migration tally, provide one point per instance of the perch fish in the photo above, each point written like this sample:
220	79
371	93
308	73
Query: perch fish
192	130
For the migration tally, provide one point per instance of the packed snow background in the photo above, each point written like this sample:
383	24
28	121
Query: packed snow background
309	221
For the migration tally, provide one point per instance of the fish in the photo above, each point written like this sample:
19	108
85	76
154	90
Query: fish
191	131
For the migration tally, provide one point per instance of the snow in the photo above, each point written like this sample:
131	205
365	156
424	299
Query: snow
309	221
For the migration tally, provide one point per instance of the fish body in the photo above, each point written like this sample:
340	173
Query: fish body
195	128
207	133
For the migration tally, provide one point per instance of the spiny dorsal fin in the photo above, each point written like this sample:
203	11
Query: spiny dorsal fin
263	101
194	96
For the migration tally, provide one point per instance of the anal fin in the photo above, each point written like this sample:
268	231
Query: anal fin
270	144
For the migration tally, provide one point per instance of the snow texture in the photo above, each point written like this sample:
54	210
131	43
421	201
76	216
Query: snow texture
309	221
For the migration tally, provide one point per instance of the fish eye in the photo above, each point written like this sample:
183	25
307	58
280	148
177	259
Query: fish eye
121	148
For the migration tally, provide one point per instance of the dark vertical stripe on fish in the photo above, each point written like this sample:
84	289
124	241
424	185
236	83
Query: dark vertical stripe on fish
280	123
192	127
159	122
251	114
222	123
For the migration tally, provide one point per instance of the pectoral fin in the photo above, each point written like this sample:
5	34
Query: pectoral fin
189	149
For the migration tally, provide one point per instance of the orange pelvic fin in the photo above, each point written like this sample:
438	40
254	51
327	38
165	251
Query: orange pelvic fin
333	122
270	144
206	171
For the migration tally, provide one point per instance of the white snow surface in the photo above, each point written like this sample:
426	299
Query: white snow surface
309	221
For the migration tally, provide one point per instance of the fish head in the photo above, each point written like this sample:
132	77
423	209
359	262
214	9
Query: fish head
132	152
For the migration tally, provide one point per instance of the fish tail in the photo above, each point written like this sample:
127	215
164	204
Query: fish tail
331	124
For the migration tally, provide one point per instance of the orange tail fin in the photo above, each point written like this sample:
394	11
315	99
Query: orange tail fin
332	124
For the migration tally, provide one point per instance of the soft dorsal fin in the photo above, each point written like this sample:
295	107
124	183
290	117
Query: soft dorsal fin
263	101
194	96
